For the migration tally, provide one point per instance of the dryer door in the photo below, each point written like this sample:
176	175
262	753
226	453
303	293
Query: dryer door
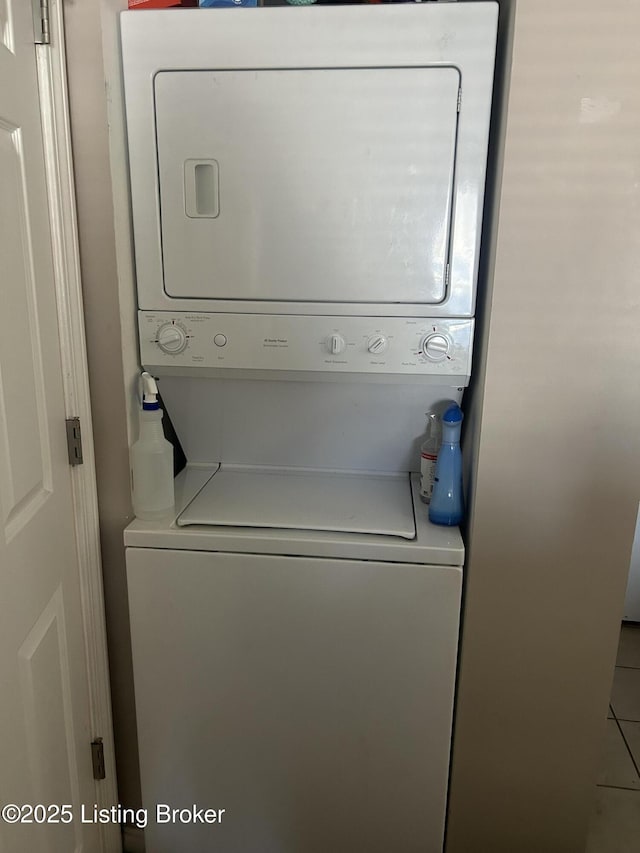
317	185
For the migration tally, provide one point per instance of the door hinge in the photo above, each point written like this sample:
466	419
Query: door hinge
97	758
74	441
41	21
459	99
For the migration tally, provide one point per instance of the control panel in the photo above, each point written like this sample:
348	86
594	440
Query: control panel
374	345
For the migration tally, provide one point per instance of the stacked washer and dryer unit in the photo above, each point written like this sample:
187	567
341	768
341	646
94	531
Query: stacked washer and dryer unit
307	189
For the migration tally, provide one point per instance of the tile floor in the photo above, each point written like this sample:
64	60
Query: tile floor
615	822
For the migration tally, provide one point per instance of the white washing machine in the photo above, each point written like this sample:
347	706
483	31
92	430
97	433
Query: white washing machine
300	679
307	189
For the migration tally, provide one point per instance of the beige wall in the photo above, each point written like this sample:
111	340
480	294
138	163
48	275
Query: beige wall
553	502
557	472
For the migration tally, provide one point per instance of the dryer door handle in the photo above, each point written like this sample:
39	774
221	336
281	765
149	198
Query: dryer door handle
202	189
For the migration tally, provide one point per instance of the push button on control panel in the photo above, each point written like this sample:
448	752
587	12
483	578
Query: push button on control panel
220	340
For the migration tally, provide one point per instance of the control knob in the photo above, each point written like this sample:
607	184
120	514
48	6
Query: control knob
171	338
435	347
377	344
335	344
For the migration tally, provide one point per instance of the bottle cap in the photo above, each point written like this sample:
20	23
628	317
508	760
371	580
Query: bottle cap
453	415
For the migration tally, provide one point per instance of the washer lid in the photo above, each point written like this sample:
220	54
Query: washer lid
346	502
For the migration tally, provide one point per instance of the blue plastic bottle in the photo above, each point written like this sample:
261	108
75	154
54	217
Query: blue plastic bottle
446	505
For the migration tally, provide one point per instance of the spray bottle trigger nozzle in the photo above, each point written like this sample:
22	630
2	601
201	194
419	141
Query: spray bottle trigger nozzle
149	392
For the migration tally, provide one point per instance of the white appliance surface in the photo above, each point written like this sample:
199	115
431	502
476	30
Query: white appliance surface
309	698
301	680
435	350
349	502
432	544
364	181
321	161
322	424
307	189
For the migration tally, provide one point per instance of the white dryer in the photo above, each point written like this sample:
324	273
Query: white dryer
309	163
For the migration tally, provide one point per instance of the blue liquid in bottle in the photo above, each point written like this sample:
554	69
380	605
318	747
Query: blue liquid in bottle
447	505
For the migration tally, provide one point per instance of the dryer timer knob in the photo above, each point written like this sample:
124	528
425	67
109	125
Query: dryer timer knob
435	347
171	338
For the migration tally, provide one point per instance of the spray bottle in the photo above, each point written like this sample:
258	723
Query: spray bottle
428	456
446	505
152	460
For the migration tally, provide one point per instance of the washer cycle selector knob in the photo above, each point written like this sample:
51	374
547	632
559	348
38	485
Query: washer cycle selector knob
377	344
435	347
171	338
335	344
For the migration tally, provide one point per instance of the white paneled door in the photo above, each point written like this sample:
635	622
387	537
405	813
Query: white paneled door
45	735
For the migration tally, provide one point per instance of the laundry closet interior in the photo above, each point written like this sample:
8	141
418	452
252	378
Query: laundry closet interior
307	190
